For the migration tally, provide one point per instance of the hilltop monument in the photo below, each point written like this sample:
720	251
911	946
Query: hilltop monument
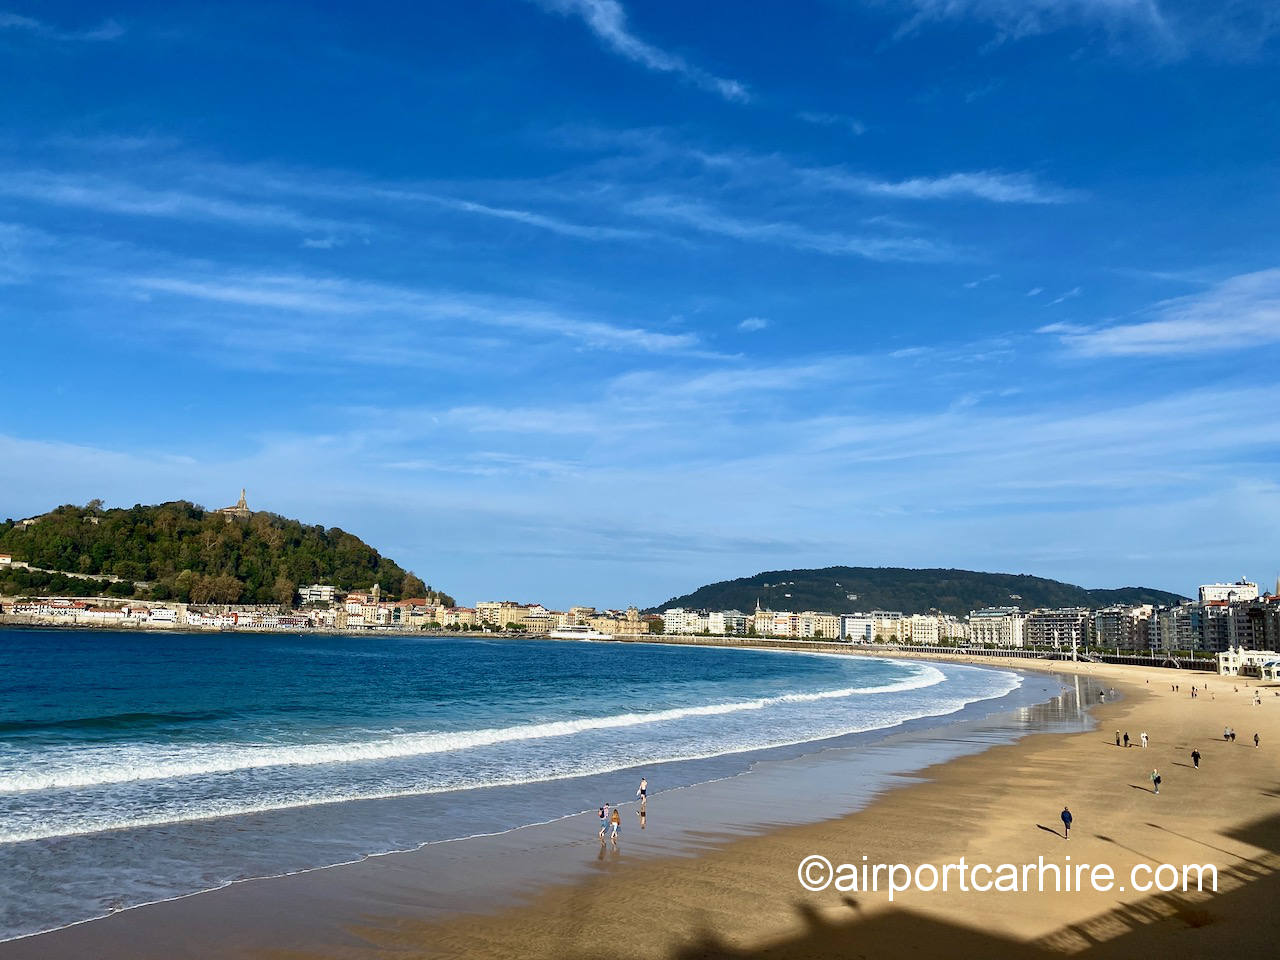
239	509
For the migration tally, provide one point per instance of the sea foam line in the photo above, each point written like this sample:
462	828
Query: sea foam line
233	760
220	809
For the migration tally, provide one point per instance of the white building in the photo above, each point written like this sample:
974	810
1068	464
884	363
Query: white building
725	622
678	620
998	626
1242	589
316	593
886	625
857	627
1234	661
919	628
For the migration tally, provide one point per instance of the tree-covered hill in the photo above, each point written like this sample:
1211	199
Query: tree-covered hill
181	551
846	589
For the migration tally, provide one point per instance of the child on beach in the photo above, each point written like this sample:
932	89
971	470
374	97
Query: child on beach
604	819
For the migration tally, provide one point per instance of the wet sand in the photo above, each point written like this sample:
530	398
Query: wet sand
719	887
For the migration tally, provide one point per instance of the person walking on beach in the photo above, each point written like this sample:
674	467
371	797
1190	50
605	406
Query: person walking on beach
1126	738
604	820
643	791
1256	741
615	822
1066	822
1117	738
1155	780
1143	737
1195	759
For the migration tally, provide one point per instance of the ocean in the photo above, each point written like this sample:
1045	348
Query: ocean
141	767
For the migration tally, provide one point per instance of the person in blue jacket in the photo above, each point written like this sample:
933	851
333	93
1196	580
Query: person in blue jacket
1066	823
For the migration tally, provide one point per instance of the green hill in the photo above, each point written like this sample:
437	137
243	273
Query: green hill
180	551
845	589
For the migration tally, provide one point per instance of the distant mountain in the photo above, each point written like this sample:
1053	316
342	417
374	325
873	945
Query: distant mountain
181	551
846	589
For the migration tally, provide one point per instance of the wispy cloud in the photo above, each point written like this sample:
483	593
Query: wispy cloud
608	20
992	186
1069	295
842	121
1232	29
106	195
1015	19
705	218
1240	313
527	217
327	296
107	30
752	324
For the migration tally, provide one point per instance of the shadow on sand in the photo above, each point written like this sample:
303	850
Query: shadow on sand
1240	920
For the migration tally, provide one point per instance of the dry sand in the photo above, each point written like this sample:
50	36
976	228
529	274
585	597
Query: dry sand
743	899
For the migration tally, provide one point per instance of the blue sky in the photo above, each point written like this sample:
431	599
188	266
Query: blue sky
595	301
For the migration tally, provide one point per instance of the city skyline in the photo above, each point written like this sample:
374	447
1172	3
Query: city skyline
586	301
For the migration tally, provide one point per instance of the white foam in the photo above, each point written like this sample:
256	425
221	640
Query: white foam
96	767
213	809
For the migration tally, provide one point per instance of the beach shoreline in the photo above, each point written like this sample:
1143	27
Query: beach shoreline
916	742
541	919
998	806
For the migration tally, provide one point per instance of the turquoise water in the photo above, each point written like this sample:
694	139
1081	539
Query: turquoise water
139	767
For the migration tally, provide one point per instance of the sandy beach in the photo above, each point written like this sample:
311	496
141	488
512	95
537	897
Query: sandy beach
1002	806
739	896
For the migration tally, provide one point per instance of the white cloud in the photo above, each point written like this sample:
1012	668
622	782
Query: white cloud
751	324
105	195
1238	314
327	296
528	217
608	20
843	121
1232	29
992	186
107	30
973	284
707	219
1035	291
995	186
1015	19
1069	295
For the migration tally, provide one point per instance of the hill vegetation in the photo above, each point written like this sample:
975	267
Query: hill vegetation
845	589
180	551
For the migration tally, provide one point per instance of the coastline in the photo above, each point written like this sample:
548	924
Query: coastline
884	755
280	914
